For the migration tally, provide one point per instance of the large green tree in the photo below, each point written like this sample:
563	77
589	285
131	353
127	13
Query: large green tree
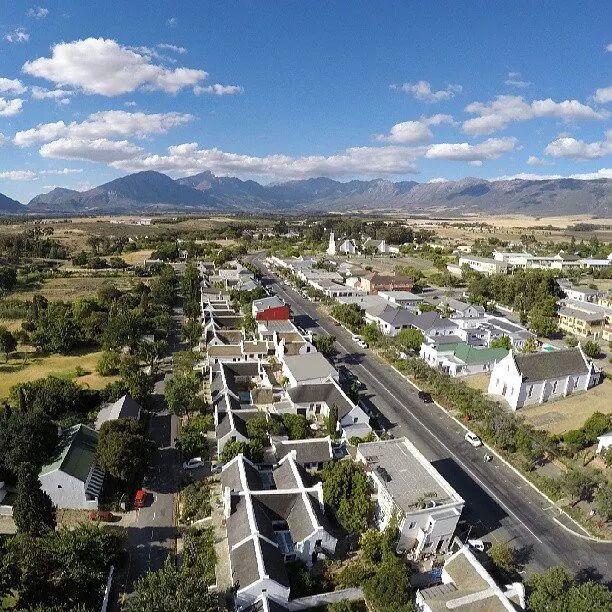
171	589
346	491
33	511
8	343
123	449
182	391
409	340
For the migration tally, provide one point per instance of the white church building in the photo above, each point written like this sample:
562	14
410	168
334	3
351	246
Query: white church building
526	379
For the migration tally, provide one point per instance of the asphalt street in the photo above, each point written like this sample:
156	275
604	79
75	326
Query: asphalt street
499	503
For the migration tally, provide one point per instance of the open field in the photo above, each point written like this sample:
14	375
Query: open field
16	371
570	412
74	287
386	264
136	258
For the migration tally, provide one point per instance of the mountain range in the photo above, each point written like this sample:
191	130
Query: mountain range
154	192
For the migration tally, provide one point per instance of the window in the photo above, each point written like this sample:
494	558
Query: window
530	392
555	386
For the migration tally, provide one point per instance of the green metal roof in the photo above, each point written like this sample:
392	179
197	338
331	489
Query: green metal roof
75	452
474	356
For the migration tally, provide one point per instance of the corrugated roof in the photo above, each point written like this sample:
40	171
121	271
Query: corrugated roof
474	356
75	452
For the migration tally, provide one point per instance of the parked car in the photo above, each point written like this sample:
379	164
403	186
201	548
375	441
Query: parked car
476	545
359	341
425	397
473	439
140	498
193	463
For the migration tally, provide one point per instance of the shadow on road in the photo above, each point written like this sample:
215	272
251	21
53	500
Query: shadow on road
481	509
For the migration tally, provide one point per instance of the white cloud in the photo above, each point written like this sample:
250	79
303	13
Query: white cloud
514	80
603	173
99	150
609	47
421	90
18	35
578	149
9	108
38	12
2	139
188	158
414	132
407	132
12	86
61	171
103	66
438	179
104	124
173	48
171	22
61	96
18	175
506	109
536	161
603	95
463	151
218	89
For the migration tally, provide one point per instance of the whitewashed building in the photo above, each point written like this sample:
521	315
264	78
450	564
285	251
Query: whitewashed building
535	378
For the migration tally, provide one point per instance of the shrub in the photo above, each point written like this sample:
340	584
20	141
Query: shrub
196	502
109	363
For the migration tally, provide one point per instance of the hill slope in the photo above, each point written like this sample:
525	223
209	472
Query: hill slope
8	206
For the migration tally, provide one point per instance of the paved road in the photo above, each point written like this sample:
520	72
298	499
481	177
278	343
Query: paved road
499	503
153	536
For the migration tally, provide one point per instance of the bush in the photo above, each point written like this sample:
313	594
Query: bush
353	575
389	587
108	363
591	349
199	557
192	436
296	426
196	502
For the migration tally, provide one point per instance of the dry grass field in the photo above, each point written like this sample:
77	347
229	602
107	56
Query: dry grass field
17	371
74	287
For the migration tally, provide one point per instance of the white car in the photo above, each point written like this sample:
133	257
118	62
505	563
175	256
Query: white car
473	439
194	463
360	342
476	545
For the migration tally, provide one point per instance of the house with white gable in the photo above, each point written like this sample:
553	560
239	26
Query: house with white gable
526	379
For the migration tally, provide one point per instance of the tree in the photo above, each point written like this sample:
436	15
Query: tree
580	483
571	341
25	436
502	342
503	556
296	426
530	346
55	330
389	587
123	450
346	491
7	342
53	396
109	363
136	382
557	591
409	340
192	436
332	421
251	450
371	333
591	349
8	278
182	393
603	502
192	331
62	570
125	328
325	345
33	511
171	589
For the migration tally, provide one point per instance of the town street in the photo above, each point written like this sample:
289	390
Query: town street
499	504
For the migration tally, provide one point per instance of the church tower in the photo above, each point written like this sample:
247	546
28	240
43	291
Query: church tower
331	249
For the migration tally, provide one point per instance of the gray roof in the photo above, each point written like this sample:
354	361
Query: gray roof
245	569
324	392
432	320
553	364
406	474
396	316
582	315
124	408
267	302
317	450
309	366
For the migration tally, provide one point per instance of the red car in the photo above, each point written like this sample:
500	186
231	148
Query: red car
140	499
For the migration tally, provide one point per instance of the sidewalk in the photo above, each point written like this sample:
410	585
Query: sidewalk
222	569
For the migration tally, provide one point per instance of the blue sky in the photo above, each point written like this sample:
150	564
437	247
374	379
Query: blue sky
284	90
